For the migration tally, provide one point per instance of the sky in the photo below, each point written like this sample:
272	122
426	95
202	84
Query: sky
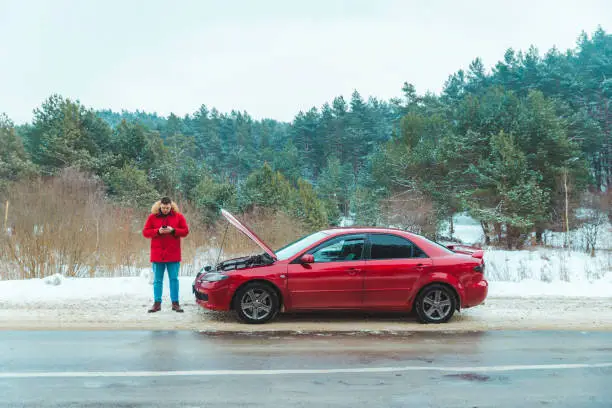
270	58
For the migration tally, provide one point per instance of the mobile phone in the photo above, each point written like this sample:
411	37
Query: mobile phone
164	226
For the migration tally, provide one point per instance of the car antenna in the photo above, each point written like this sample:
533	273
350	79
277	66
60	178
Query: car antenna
222	243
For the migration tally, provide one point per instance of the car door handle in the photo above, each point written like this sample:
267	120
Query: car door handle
353	271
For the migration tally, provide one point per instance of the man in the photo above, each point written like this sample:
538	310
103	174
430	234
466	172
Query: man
165	226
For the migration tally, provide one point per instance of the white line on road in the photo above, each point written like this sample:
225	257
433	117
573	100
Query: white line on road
196	373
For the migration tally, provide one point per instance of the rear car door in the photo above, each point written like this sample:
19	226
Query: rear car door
334	280
393	265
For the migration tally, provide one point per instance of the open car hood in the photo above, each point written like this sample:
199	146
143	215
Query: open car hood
247	231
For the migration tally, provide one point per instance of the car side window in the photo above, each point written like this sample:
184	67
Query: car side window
340	249
385	246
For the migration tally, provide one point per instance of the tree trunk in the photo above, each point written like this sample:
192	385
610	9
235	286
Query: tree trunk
607	148
514	237
597	163
498	231
509	237
539	233
566	243
6	212
485	230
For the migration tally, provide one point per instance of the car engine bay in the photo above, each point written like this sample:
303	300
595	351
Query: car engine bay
244	262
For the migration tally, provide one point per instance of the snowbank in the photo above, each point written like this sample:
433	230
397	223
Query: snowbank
549	266
73	290
535	273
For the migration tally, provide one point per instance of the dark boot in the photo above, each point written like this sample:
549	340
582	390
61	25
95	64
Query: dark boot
155	308
176	307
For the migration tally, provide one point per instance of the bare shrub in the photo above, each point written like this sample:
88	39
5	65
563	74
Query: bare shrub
594	216
523	270
546	274
564	272
276	229
49	233
545	270
412	211
498	270
66	225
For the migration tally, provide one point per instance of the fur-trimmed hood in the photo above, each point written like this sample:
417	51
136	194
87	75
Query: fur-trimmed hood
156	207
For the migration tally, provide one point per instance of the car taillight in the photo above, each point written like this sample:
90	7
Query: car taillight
480	268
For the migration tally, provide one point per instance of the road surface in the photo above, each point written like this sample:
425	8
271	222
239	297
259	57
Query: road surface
194	369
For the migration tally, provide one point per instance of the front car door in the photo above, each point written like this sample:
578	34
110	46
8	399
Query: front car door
393	265
334	280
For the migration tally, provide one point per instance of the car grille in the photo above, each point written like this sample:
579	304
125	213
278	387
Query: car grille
201	296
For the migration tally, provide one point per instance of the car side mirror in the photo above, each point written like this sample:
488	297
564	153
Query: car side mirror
307	259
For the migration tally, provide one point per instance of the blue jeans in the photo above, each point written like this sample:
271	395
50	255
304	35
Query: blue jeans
158	284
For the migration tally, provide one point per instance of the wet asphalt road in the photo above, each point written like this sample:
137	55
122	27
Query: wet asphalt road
189	369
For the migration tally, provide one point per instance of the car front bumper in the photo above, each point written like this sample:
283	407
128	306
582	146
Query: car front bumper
211	296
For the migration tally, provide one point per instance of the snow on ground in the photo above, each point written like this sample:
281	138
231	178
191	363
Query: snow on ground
467	229
558	268
129	313
71	290
577	237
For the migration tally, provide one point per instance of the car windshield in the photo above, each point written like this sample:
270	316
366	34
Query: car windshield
293	248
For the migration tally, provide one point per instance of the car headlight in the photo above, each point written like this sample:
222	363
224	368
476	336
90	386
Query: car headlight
214	277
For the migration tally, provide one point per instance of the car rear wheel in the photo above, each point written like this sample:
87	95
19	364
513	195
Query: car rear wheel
256	303
435	304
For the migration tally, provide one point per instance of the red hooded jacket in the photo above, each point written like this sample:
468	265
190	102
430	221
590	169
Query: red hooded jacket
166	247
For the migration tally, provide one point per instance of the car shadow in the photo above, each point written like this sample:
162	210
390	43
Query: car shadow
346	316
341	317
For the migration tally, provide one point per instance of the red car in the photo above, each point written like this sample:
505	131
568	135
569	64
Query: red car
373	269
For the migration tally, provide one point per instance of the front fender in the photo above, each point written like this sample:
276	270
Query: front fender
275	283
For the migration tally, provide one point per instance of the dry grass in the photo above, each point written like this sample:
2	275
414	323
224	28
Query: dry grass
65	225
276	229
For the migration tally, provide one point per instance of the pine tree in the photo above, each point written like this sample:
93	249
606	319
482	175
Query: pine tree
130	186
210	196
268	189
334	186
65	134
508	193
307	206
14	161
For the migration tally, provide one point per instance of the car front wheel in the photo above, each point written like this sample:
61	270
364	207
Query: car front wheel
435	304
256	303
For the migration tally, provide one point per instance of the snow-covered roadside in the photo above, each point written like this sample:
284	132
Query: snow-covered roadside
138	290
530	289
496	314
121	303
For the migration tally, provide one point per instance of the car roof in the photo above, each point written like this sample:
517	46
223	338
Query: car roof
432	248
361	230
